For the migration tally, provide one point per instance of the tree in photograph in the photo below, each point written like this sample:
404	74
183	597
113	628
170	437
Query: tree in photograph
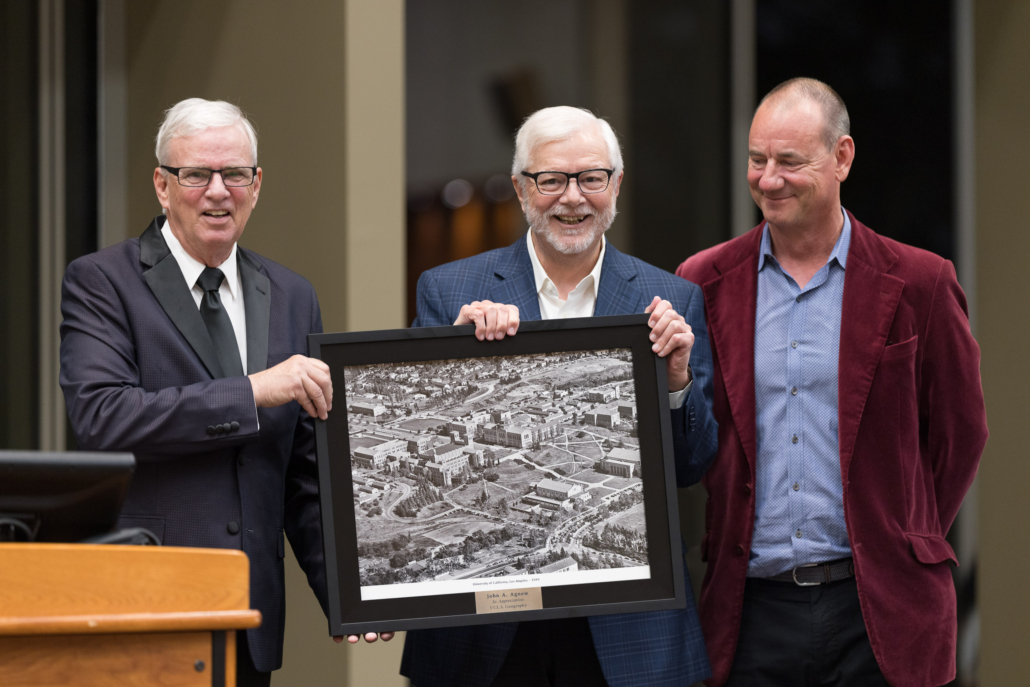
502	508
491	476
423	495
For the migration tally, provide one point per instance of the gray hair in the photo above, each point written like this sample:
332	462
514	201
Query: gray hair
193	115
560	124
790	92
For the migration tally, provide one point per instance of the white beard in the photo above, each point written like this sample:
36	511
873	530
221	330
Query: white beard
573	240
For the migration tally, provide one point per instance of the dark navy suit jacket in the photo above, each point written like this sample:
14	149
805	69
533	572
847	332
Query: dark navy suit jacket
659	648
140	374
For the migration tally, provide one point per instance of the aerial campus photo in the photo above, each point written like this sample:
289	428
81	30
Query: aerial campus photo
487	473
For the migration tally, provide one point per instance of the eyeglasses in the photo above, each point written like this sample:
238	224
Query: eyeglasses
201	176
555	183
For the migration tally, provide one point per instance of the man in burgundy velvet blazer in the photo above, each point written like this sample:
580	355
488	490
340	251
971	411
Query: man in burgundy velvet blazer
910	420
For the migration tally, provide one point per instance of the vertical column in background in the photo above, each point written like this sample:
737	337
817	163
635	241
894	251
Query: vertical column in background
1002	74
742	108
374	179
52	422
19	208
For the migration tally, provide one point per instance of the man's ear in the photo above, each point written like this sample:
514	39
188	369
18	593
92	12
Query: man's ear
519	189
618	183
844	154
161	187
257	187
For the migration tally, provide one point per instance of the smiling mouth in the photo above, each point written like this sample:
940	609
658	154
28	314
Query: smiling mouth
571	220
216	213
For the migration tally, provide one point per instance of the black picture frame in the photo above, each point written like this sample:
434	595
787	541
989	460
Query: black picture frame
663	590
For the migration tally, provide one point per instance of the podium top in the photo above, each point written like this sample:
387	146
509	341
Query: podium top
73	588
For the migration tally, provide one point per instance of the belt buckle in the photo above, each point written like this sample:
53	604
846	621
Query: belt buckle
794	574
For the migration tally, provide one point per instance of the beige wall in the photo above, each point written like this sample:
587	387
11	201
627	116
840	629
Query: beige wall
1003	247
323	82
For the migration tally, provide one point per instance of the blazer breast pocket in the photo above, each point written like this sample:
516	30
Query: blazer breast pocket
900	351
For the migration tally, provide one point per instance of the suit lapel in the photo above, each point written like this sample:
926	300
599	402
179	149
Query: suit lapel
731	302
166	282
257	302
514	282
617	294
870	300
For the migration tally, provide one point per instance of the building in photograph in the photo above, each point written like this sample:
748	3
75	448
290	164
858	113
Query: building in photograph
547	503
628	411
449	461
475	455
420	443
603	394
567	564
373	410
622	462
557	490
464	427
603	416
514	436
375	457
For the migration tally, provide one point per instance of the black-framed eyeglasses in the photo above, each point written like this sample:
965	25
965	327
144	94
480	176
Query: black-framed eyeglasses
201	176
554	183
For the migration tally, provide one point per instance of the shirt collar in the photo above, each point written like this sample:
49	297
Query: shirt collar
839	252
191	267
541	278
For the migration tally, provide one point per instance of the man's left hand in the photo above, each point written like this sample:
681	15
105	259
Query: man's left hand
673	340
369	637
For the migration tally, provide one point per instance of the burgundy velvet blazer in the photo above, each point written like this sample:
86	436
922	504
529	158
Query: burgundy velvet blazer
912	426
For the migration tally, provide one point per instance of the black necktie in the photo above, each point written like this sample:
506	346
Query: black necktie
218	324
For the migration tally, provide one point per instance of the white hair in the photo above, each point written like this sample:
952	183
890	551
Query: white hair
560	124
193	115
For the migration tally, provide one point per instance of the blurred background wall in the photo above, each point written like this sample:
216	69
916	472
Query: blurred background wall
386	138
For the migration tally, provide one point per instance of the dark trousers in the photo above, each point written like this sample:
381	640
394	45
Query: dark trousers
246	674
552	653
803	637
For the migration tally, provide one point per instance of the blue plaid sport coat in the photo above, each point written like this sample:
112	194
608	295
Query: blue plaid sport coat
658	648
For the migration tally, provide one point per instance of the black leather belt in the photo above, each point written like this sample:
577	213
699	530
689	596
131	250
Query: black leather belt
811	575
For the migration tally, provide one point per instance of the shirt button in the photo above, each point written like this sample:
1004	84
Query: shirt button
795	487
798	534
793	344
234	527
794	391
794	439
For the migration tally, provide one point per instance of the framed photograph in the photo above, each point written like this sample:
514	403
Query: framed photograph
466	481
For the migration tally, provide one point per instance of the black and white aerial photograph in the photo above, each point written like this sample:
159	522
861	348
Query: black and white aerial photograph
496	472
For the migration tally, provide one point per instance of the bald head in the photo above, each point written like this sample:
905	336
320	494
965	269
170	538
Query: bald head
789	94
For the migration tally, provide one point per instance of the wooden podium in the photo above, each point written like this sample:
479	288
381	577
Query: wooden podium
86	615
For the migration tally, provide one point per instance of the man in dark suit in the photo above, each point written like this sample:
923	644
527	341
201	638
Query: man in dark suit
157	335
567	171
851	422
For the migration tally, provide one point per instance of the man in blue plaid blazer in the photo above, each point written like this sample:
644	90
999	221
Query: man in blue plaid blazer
567	172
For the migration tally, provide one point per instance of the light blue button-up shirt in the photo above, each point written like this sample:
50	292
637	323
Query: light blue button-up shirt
799	513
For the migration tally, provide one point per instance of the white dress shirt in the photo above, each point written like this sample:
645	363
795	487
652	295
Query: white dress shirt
230	292
581	300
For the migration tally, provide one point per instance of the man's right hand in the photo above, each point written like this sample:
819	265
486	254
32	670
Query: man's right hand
301	379
492	320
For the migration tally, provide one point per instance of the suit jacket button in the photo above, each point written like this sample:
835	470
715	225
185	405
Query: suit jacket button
747	490
219	429
233	527
211	430
234	425
739	550
226	428
241	460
